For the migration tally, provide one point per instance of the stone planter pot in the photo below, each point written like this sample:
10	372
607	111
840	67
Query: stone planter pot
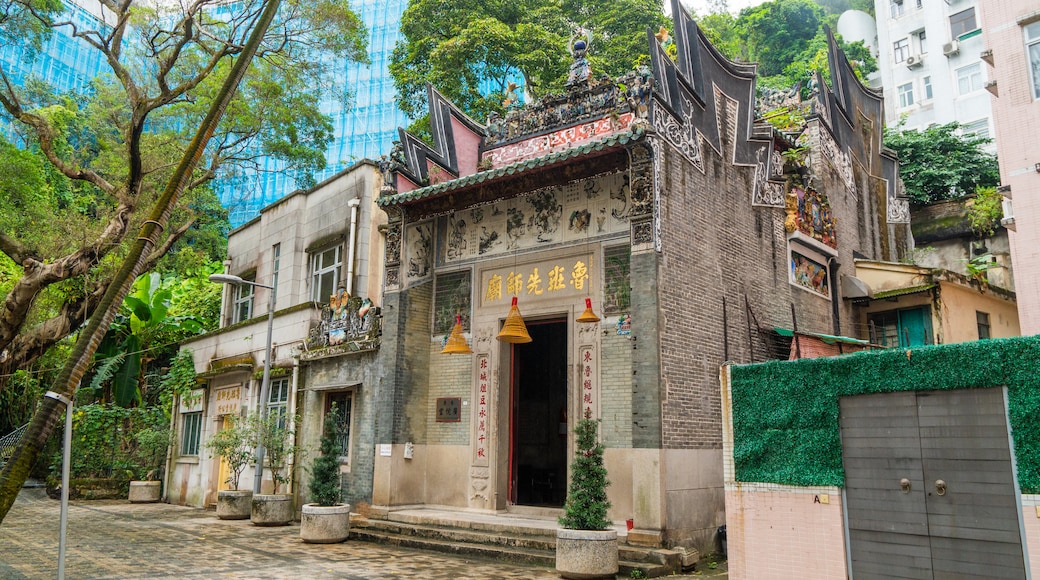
234	504
324	524
586	553
145	491
271	510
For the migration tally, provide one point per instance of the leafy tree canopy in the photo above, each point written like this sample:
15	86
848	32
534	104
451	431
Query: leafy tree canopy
938	163
787	38
470	51
88	166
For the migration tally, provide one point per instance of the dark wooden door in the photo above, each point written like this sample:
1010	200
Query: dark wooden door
930	490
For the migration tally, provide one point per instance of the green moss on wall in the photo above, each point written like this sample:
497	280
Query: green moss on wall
785	414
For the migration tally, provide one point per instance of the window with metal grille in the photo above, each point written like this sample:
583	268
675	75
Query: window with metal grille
342	403
191	430
961	22
1032	33
325	273
901	49
243	302
451	297
278	399
906	95
969	78
982	321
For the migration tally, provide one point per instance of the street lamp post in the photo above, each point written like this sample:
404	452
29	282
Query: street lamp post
265	383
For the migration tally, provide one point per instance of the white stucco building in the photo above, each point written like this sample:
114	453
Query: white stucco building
930	64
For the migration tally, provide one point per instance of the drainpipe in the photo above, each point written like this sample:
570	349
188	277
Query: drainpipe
833	265
352	243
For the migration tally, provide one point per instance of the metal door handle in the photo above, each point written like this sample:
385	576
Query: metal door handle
904	484
940	487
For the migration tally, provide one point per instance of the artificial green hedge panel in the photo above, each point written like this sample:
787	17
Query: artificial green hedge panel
785	414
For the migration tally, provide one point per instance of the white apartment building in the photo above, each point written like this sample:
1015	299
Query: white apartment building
930	64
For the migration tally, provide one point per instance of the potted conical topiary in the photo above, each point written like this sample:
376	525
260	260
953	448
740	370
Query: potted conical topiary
326	521
586	546
230	444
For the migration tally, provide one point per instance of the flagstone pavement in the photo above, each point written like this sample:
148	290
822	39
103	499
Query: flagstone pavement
114	539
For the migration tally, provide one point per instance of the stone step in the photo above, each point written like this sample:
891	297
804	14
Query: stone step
518	540
491	551
508	538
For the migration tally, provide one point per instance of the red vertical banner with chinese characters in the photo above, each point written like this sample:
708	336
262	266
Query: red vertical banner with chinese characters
480	410
589	402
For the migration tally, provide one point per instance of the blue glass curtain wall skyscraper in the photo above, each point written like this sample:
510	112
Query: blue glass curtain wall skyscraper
365	129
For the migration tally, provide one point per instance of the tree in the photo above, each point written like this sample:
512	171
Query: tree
127	347
587	504
90	165
325	486
470	50
938	163
181	58
778	32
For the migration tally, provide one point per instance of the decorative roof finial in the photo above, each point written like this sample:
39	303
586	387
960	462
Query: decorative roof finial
579	45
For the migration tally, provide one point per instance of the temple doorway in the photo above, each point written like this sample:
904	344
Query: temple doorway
538	426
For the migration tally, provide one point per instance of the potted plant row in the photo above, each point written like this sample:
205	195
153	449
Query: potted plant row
326	520
586	546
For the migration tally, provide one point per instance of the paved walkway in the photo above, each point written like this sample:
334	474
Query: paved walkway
114	539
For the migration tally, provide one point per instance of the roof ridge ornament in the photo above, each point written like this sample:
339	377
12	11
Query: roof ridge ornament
579	45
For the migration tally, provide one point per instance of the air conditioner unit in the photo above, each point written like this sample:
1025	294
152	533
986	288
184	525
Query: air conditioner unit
914	61
951	48
1008	221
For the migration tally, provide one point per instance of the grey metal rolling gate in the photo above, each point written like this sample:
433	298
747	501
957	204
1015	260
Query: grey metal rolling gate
929	484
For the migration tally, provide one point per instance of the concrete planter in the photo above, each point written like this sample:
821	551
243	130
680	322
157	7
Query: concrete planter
271	510
324	524
145	491
584	554
234	504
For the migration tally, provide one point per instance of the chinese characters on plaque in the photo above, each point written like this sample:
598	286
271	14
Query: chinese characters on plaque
589	405
449	409
481	408
228	400
543	279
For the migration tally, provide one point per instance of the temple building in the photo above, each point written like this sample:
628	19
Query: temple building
599	253
658	203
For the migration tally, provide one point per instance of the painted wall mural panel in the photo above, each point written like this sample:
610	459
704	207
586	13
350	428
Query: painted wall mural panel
810	274
573	212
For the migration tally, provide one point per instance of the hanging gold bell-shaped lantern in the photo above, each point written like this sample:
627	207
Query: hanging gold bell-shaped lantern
514	330
456	343
588	315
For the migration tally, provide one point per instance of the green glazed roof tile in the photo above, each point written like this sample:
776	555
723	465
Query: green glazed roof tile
431	191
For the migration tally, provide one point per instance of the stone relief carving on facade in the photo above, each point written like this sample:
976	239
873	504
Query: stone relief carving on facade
766	193
681	135
479	480
841	160
898	210
556	214
642	181
420	250
393	244
642	232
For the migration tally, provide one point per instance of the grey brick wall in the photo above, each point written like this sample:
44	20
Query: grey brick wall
616	389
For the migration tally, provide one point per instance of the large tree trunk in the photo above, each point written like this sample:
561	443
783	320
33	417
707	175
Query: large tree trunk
40	428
